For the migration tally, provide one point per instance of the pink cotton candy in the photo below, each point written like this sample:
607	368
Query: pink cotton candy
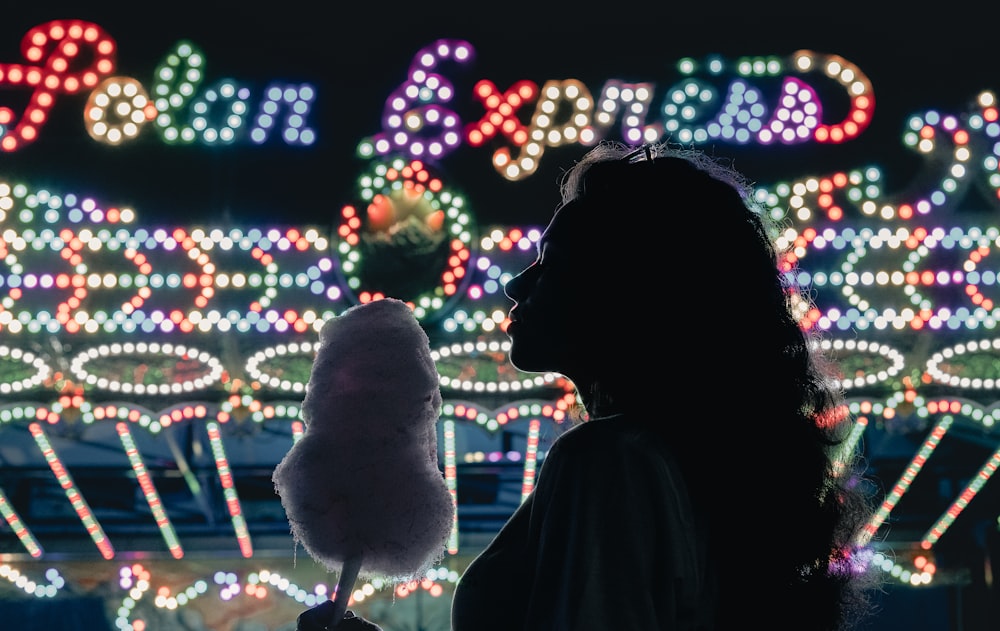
364	478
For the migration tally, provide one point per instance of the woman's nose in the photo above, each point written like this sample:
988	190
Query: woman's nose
507	289
513	287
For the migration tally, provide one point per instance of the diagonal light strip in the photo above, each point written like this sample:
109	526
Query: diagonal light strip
149	491
451	481
975	485
229	490
23	534
530	459
906	479
72	492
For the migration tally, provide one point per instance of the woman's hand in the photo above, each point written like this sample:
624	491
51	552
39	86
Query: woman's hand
356	623
317	619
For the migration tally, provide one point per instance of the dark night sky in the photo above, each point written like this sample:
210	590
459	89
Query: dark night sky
356	57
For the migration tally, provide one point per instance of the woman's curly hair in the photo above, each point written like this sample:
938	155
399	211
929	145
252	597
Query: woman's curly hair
764	443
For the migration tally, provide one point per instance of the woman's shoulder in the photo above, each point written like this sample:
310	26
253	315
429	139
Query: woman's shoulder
620	430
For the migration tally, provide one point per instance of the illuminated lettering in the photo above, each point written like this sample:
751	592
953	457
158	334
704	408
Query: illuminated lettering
119	107
501	112
414	120
116	110
631	100
562	112
296	101
188	113
52	50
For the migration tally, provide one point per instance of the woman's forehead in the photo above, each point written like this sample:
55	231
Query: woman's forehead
567	218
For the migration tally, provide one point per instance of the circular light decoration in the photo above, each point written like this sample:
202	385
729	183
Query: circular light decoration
146	368
117	110
411	241
482	366
289	366
862	363
13	363
974	364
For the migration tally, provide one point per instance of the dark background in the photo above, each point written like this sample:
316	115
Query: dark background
939	56
356	53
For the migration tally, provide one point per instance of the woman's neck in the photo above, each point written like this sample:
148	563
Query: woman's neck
600	400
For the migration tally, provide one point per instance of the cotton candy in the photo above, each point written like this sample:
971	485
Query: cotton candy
363	480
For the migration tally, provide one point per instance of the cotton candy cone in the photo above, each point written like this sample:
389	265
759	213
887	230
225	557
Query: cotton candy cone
363	480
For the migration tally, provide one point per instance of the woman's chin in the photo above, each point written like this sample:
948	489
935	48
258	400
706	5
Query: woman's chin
526	362
519	360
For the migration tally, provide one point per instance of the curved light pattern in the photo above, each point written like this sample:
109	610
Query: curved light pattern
949	355
42	370
407	205
239	407
122	411
744	115
186	112
149	491
22	532
154	422
263	584
229	490
212	368
55	581
116	110
23	411
987	121
162	281
454	412
53	50
863	347
135	580
402	590
922	572
826	197
451	479
257	411
493	420
73	494
477	321
968	493
165	600
459	357
894	279
854	81
530	459
906	407
858	194
274	352
42	209
925	133
629	101
550	127
297	101
415	120
173	281
503	253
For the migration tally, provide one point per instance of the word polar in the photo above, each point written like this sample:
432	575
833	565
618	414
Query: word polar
416	123
119	107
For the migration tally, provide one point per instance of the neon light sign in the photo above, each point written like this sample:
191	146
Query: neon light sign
181	110
416	122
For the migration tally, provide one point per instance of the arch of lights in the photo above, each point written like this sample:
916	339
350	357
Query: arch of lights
144	306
